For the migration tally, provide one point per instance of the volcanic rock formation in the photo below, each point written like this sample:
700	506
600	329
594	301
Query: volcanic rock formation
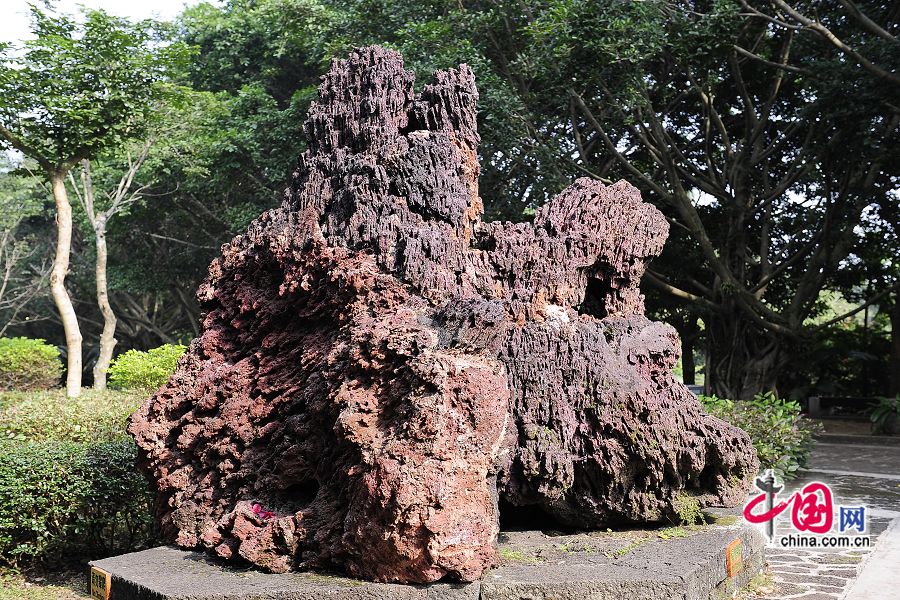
378	367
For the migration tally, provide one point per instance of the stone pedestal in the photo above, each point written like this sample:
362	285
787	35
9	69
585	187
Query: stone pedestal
667	564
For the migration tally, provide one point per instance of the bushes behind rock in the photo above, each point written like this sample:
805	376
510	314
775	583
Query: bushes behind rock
28	365
68	485
51	416
65	500
783	438
145	371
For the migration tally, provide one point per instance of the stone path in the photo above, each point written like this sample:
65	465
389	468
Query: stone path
881	569
858	475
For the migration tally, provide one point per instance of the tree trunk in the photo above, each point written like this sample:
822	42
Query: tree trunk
107	337
57	284
688	341
895	346
688	368
741	359
688	332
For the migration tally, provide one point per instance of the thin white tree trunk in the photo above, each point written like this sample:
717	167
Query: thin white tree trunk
119	198
107	337
57	284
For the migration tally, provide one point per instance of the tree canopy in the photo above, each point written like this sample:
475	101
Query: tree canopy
766	131
80	87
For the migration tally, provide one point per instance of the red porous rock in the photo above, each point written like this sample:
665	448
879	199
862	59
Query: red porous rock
378	368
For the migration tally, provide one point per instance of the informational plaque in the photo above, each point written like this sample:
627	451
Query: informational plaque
734	557
100	584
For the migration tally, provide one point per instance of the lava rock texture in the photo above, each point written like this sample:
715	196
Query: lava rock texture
378	368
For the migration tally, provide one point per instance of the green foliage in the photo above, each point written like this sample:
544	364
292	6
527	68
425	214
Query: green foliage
231	146
688	510
783	438
276	43
68	486
697	82
147	371
885	416
64	500
51	416
676	532
81	85
28	365
843	361
17	198
850	358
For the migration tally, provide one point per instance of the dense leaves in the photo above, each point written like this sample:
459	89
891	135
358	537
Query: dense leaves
885	416
61	501
145	371
28	365
79	88
68	487
782	437
771	150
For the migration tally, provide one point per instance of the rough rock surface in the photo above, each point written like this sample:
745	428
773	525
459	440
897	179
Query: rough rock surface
378	367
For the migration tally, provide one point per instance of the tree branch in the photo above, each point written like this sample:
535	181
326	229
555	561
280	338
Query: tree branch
657	281
26	149
859	308
827	35
867	23
748	54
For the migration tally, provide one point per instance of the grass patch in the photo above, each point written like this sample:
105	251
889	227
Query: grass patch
50	416
670	533
688	510
762	585
626	549
67	586
724	520
517	556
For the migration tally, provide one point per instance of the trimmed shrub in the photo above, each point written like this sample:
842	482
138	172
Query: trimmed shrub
69	489
51	416
783	438
28	365
144	371
60	501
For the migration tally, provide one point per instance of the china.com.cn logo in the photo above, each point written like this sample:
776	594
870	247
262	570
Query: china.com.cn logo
812	516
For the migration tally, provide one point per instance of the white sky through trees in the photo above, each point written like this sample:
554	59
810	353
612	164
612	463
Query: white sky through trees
15	24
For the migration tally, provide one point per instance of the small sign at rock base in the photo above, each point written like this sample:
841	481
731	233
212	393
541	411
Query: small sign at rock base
734	558
100	584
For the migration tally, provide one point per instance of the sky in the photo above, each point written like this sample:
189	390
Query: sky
14	24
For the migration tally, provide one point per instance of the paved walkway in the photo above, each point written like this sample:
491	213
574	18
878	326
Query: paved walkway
858	475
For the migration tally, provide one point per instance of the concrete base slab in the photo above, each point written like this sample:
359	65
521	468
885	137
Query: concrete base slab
666	564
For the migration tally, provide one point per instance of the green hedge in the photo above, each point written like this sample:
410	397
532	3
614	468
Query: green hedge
783	438
51	416
145	371
68	486
28	365
63	500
